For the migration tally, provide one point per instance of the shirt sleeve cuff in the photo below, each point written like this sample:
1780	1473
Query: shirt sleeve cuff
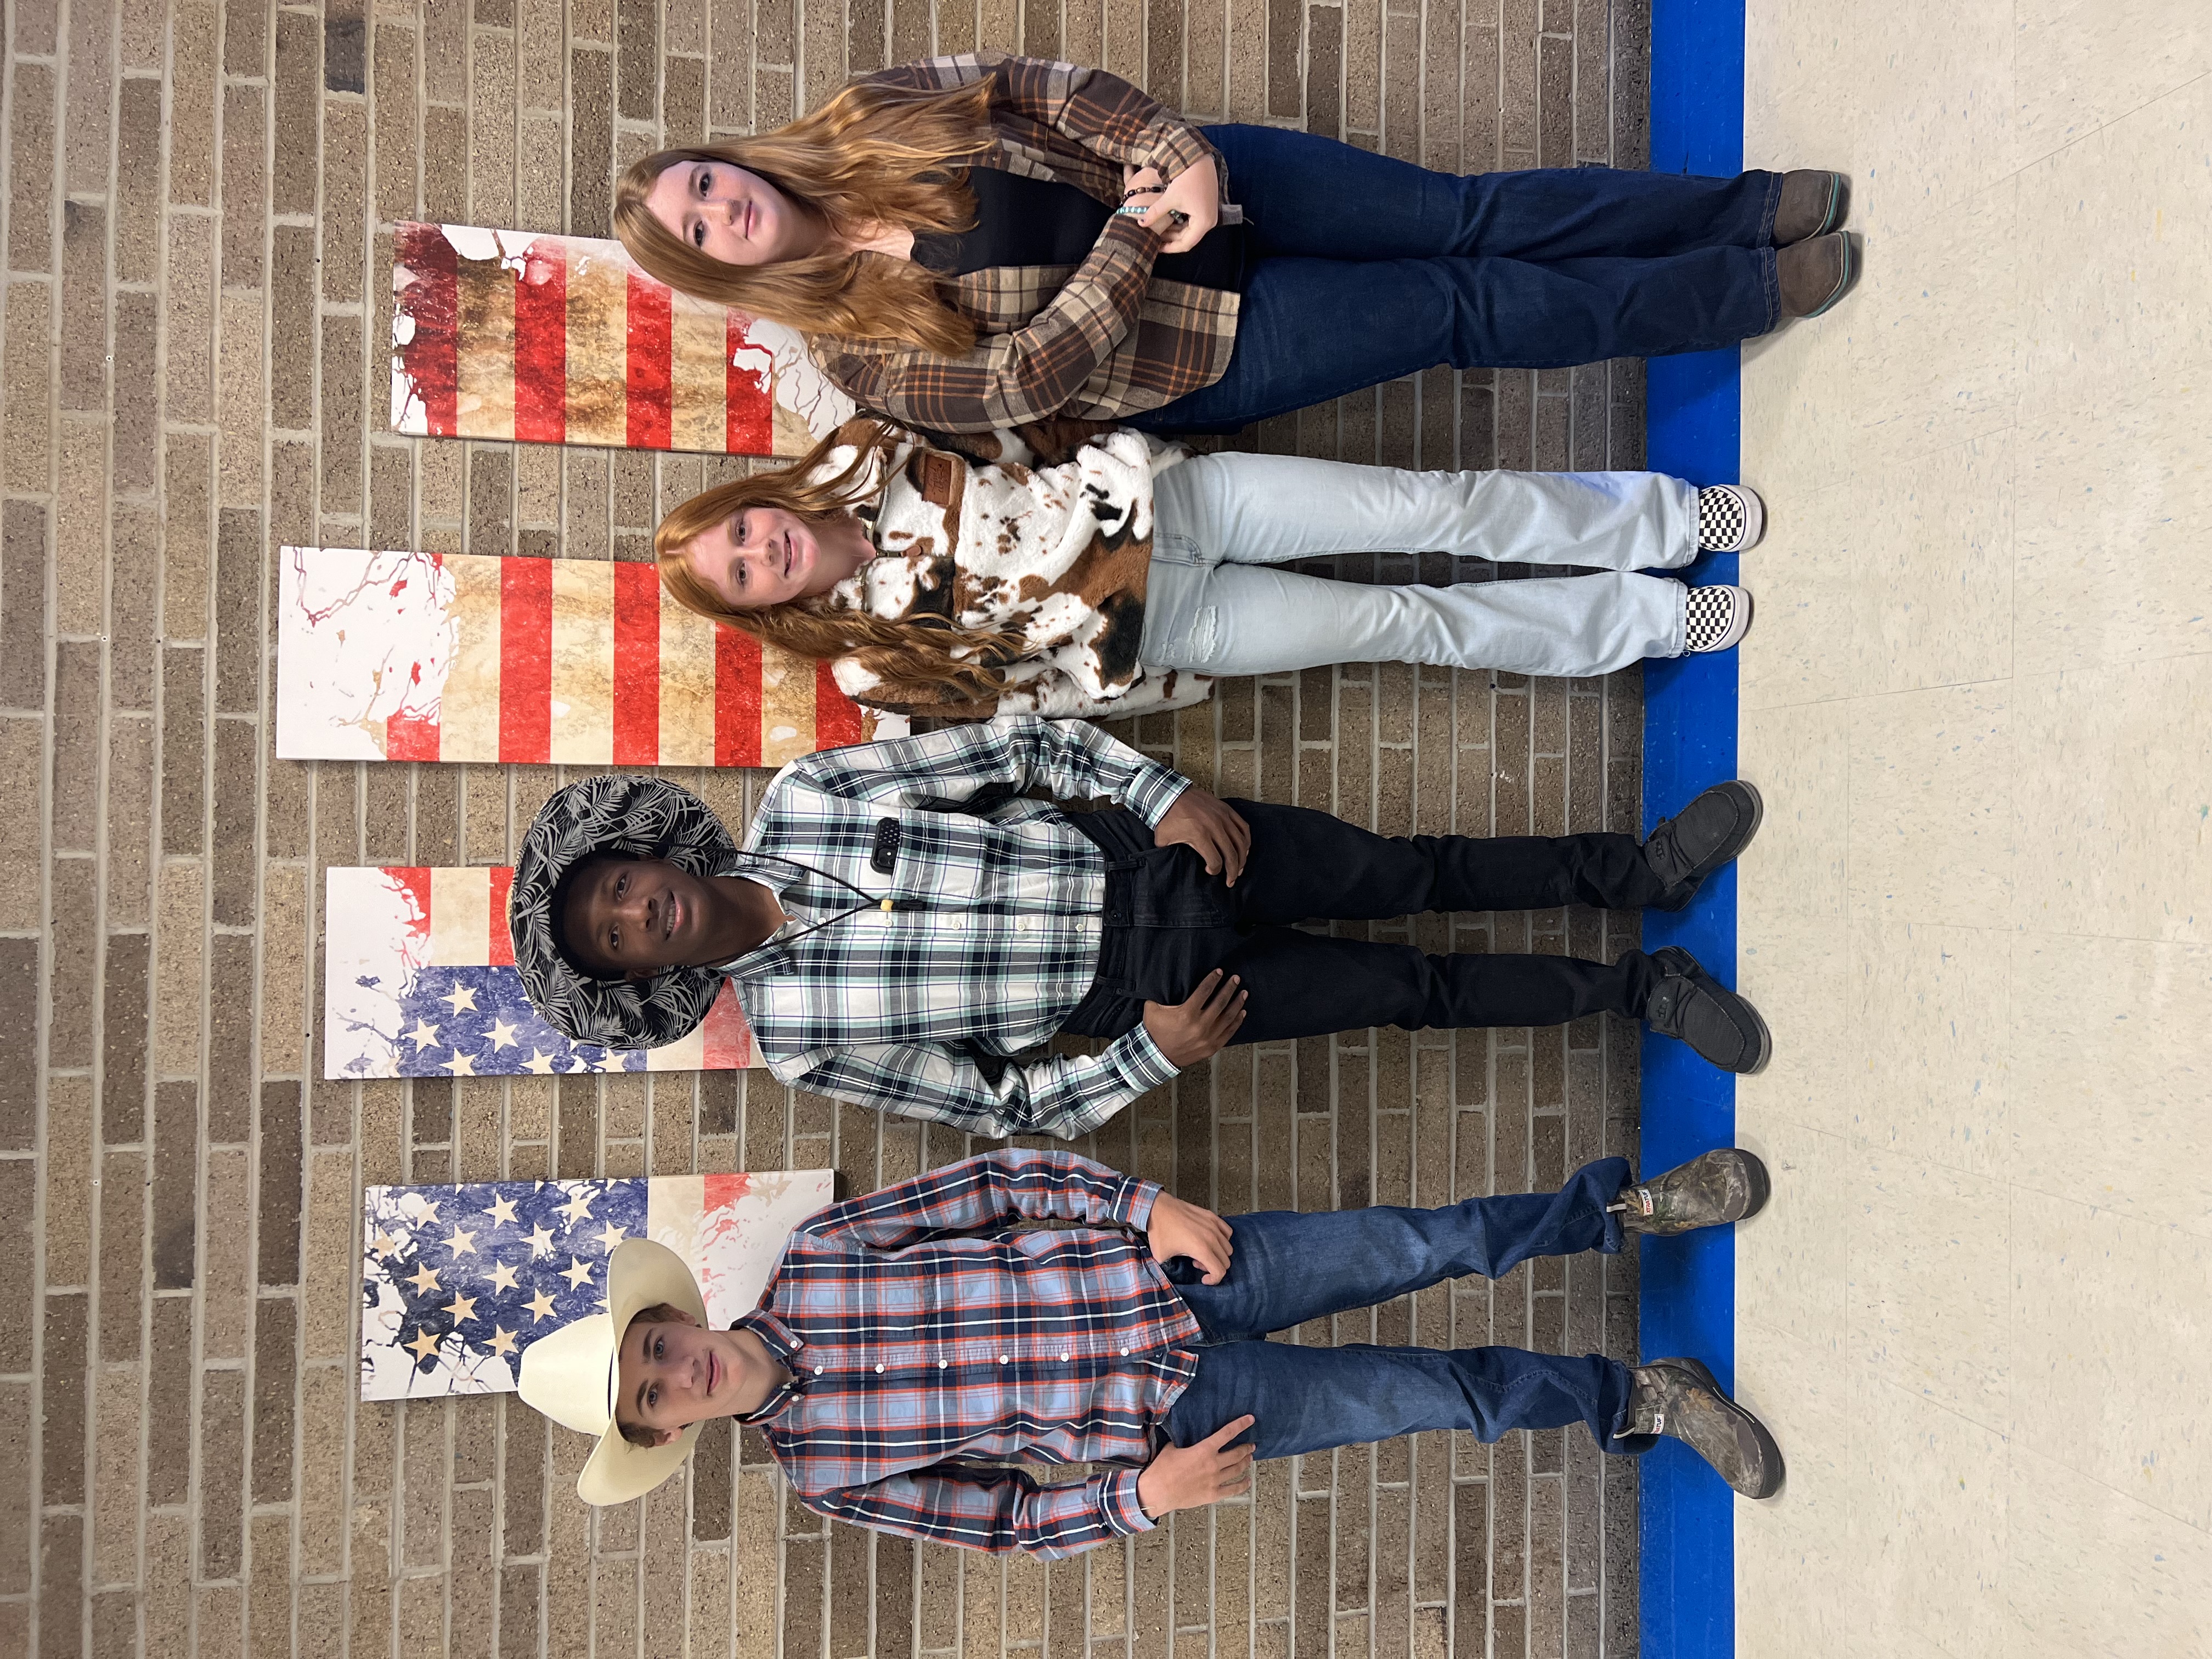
1140	1060
1177	146
1119	1501
1150	793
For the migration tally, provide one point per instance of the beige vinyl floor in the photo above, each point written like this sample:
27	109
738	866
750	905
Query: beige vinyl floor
1979	697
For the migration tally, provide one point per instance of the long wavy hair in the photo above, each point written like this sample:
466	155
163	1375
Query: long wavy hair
921	661
873	155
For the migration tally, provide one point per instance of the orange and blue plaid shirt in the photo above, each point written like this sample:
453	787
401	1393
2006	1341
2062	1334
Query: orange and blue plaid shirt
930	1342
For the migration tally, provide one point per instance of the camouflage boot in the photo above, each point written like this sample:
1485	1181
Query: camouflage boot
1710	1190
1679	1399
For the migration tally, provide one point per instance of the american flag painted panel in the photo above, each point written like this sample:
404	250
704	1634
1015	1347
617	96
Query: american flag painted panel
419	980
540	338
462	657
458	1281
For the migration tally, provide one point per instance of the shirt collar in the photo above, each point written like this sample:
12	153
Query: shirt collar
776	1337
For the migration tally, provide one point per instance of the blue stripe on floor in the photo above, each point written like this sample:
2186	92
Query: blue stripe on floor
1686	1570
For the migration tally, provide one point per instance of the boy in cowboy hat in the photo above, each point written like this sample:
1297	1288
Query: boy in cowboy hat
906	919
914	1347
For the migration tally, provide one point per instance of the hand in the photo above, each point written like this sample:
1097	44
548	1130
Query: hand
1146	178
1180	1228
1209	826
1187	1032
1191	1477
1196	192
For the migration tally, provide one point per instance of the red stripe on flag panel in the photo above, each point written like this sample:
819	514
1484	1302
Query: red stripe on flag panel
637	664
541	345
726	1040
428	358
501	943
409	736
525	659
749	397
414	880
723	1187
651	404
736	698
837	716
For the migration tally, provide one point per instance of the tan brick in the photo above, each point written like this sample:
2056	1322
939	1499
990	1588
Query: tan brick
27	426
116	1496
330	1273
226	1277
179	955
70	1191
242	402
81	519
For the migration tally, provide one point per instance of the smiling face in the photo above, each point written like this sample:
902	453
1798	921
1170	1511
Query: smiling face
671	1374
733	215
634	918
765	555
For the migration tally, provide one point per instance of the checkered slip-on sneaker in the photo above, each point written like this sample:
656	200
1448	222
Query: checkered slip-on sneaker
1715	618
1731	519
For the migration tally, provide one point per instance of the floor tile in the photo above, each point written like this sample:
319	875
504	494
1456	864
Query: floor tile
2109	1079
2112	305
1800	1535
1791	1273
2114	564
1930	1065
2097	1574
2112	792
1932	829
2113	1367
2079	64
1928	1301
1928	1541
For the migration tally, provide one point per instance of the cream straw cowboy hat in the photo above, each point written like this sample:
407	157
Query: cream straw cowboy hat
570	1375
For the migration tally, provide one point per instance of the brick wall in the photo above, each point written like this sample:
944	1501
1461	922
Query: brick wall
195	307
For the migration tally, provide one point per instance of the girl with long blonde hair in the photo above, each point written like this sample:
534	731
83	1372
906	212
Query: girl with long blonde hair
1125	579
982	242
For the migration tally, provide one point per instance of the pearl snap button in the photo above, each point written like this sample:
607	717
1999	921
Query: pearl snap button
879	1371
817	1370
1002	1360
1125	1353
1065	1357
941	1364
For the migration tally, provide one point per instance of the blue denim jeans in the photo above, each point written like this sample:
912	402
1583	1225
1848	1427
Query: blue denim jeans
1213	604
1290	1267
1371	269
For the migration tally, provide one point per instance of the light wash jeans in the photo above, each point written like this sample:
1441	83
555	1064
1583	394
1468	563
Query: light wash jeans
1213	606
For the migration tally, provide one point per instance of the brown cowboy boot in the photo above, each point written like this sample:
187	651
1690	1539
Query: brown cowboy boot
1710	1190
1812	204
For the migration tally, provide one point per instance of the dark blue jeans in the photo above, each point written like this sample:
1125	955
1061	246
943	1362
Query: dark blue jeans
1371	269
1290	1267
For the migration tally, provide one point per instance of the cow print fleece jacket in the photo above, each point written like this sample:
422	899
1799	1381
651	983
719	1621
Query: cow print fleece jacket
1058	555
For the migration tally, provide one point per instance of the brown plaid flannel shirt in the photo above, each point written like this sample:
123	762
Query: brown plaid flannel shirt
1097	341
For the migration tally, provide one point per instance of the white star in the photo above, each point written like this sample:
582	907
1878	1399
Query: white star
541	1307
502	1276
538	1065
502	1035
462	997
540	1243
577	1273
502	1209
460	1065
424	1035
461	1307
463	1243
579	1206
502	1340
611	1234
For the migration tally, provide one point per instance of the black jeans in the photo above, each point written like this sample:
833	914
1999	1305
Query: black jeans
1371	268
1169	923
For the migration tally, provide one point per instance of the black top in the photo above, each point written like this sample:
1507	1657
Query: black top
1021	221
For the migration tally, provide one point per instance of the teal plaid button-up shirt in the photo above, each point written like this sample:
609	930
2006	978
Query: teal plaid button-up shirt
992	939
